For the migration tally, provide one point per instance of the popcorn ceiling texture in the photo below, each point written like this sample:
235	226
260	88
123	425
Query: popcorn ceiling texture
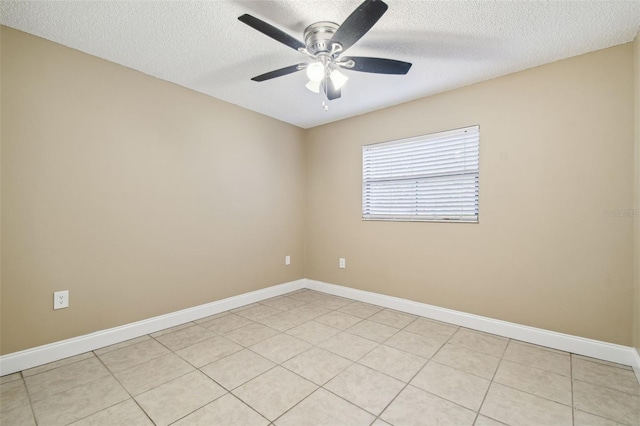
202	45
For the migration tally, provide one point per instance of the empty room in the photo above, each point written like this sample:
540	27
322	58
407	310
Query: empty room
336	212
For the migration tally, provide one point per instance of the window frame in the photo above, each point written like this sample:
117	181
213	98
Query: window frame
434	218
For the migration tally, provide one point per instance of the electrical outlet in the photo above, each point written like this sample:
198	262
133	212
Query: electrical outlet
343	263
287	260
61	299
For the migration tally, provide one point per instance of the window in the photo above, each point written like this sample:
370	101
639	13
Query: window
426	178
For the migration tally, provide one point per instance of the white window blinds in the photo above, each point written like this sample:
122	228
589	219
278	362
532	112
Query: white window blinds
432	177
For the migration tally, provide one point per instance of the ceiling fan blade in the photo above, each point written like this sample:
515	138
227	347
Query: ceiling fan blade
271	31
377	65
359	22
330	90
279	73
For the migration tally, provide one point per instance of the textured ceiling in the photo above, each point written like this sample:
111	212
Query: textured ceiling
202	45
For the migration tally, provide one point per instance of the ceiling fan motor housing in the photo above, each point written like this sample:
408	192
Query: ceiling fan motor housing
317	37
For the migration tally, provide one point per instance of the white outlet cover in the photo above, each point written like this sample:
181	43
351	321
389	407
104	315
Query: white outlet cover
61	299
343	263
287	260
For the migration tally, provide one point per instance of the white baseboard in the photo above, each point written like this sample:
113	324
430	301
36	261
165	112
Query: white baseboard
551	339
18	361
33	357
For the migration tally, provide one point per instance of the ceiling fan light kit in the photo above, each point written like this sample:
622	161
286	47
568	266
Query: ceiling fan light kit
324	43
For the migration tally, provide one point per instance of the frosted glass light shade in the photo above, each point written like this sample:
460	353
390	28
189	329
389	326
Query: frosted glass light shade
338	79
314	86
315	71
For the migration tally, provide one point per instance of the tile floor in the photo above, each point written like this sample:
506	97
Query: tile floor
308	358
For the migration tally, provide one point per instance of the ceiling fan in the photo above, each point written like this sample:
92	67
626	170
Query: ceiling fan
324	43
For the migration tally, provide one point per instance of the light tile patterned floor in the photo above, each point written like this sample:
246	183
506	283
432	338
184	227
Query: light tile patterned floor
308	358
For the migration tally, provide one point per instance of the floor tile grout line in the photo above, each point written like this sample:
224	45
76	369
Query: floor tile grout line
278	363
196	409
26	388
172	380
95	351
201	407
601	362
55	368
617	369
288	330
573	405
381	344
532	394
33	412
310	349
363	320
327	381
18	373
504	351
602	417
129	347
355	301
414	376
411	353
475	350
352	403
536	368
135	401
258	319
544	348
182	326
460	370
247	381
250	407
189	345
32	400
119	402
160	384
297	403
636	395
29	401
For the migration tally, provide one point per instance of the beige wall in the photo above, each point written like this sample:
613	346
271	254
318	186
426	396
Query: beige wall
137	195
556	152
636	334
127	191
